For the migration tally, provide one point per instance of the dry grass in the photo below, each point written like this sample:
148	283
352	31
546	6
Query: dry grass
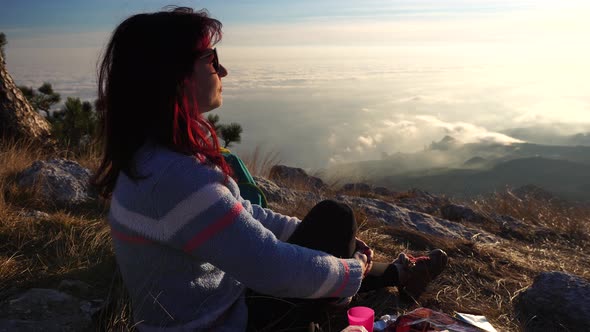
561	220
482	279
260	161
68	244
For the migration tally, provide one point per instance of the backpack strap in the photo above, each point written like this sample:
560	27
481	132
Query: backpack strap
248	188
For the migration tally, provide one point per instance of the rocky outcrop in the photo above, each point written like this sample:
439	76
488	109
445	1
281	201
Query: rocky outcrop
282	195
420	200
383	191
455	212
62	181
49	310
556	301
18	119
386	212
399	216
295	177
358	187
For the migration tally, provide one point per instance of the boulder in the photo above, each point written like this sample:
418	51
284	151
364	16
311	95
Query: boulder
556	301
62	181
395	215
293	176
75	288
272	192
41	309
456	212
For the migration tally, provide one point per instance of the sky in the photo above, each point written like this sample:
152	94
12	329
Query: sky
327	82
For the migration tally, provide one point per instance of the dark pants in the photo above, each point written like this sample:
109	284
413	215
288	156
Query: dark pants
329	227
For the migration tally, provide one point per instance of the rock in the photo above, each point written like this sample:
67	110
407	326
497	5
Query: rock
420	200
455	212
292	176
511	227
33	214
383	191
272	192
357	187
18	118
556	301
43	300
281	196
62	181
395	215
74	287
46	310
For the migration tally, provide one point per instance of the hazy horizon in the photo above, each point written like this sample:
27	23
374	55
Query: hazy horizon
339	81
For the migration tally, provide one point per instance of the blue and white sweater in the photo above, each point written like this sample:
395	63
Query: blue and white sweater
188	246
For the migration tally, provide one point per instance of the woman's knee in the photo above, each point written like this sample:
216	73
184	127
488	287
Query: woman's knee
335	213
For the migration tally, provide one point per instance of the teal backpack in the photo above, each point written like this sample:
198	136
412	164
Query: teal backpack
248	188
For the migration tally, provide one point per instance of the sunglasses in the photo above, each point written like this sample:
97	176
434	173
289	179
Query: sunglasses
215	61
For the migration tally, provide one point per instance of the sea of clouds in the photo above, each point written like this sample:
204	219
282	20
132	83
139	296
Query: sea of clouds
321	106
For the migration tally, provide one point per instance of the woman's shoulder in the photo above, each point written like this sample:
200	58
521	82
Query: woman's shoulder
151	154
174	168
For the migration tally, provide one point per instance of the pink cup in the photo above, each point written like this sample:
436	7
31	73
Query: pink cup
363	316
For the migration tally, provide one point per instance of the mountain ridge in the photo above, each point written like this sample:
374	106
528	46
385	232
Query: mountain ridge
478	168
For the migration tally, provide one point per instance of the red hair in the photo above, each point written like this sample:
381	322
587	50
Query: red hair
193	134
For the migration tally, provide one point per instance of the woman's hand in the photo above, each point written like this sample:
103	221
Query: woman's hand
363	248
362	258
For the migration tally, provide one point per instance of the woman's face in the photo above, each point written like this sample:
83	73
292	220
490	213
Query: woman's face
208	81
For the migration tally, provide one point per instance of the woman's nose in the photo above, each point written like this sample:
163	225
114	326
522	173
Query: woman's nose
222	72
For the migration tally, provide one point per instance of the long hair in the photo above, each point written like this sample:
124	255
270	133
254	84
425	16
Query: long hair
145	91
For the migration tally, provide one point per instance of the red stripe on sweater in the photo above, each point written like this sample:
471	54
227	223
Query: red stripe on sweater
128	238
344	282
214	228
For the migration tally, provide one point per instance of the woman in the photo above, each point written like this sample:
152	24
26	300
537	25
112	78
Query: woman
187	244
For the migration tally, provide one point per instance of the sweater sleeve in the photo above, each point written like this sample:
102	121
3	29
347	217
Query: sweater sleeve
280	225
198	214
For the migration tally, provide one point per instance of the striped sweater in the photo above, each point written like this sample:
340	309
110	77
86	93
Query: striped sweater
188	246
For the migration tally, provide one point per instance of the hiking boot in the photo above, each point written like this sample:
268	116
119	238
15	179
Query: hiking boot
416	272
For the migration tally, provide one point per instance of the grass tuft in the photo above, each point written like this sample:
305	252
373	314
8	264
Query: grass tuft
260	161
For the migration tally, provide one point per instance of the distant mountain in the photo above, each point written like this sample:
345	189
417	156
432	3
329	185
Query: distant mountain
446	143
476	162
448	153
450	167
579	139
562	177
